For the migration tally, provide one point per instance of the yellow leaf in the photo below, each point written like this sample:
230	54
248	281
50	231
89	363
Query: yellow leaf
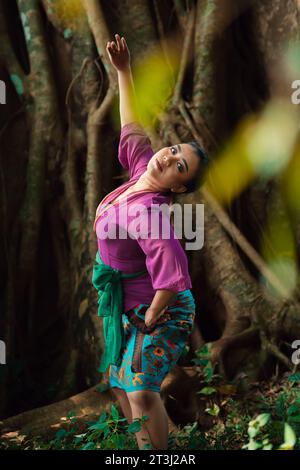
227	389
83	307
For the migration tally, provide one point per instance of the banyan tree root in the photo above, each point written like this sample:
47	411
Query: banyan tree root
47	420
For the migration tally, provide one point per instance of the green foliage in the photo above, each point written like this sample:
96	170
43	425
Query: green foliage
18	84
189	437
111	431
26	27
282	422
294	377
258	439
207	390
214	410
267	418
68	33
261	435
202	358
290	438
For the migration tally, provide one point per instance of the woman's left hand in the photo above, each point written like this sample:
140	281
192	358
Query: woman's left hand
151	316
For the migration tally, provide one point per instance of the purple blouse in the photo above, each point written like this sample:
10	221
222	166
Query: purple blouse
164	259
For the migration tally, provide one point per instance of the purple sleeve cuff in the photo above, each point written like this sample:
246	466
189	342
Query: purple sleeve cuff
177	286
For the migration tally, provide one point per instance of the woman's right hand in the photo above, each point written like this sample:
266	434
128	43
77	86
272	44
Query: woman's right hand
118	53
151	316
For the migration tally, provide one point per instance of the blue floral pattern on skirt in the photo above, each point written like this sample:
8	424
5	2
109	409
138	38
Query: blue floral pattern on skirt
150	354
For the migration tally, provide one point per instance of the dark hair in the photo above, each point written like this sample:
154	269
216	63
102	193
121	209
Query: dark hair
204	161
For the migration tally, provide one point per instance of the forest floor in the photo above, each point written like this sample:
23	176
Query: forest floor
267	416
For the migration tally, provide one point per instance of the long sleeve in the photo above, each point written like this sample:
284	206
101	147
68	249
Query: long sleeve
135	149
166	260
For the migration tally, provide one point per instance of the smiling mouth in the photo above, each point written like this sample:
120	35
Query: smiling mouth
158	165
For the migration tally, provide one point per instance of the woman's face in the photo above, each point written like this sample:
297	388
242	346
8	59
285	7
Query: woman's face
172	167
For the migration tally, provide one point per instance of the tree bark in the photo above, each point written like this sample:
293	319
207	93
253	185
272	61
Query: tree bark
228	58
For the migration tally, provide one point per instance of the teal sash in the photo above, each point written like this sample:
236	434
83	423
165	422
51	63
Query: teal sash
108	282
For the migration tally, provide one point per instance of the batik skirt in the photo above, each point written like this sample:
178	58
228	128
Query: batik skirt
149	354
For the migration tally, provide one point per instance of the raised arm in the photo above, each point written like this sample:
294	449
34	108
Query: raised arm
119	56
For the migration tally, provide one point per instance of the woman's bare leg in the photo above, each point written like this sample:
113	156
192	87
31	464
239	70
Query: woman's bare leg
155	430
121	396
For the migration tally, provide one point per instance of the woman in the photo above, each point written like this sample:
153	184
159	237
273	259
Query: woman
146	337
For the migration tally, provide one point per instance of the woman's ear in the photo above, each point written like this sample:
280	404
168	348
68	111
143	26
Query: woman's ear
180	189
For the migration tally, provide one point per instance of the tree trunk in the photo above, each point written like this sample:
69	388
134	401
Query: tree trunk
64	91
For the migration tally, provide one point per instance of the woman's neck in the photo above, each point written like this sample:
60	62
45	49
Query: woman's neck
146	183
